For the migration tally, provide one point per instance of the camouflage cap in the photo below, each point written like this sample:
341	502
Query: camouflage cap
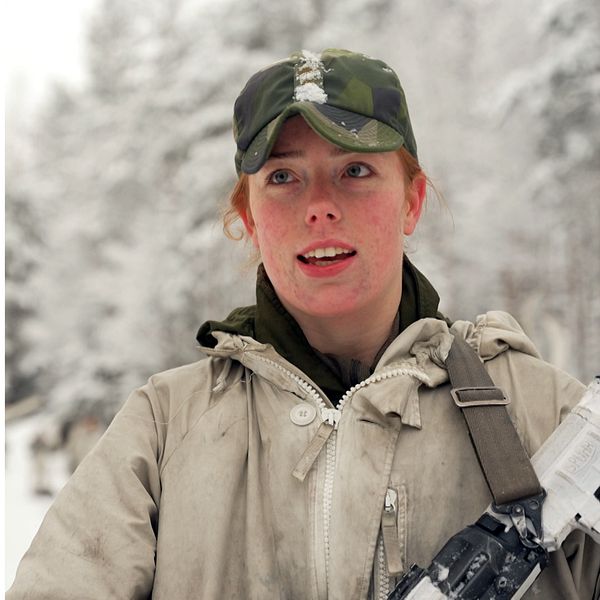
353	101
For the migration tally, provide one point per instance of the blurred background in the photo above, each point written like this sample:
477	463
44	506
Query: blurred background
116	167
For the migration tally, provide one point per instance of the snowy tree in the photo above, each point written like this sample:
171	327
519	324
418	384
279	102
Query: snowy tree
22	254
547	117
119	207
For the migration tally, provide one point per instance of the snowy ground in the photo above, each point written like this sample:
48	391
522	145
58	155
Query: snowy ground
24	510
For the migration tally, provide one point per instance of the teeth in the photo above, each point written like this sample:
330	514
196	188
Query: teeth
329	251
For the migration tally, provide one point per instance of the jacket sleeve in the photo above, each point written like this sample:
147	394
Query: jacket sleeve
98	539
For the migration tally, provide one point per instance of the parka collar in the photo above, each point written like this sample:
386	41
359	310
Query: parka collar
418	354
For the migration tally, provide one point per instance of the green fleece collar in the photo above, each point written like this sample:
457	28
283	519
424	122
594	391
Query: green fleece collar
269	322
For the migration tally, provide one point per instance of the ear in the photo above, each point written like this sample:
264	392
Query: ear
415	198
249	225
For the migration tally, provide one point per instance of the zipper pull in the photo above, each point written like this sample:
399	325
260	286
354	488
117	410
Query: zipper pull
331	416
389	530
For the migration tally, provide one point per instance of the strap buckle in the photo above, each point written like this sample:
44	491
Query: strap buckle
520	512
491	395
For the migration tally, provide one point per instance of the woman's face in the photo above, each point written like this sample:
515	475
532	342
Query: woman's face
329	224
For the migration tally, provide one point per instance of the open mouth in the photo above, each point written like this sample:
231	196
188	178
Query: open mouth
324	257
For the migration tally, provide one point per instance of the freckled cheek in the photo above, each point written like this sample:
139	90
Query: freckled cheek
275	233
381	233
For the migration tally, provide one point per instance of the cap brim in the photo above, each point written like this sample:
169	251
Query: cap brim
342	128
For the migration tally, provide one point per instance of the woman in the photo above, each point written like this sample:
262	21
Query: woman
265	470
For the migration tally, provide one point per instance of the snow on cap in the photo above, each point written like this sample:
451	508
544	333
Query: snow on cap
352	100
308	79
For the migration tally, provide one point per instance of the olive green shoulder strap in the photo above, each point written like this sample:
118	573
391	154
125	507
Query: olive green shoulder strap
505	464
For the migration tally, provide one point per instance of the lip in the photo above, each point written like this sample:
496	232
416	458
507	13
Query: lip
330	270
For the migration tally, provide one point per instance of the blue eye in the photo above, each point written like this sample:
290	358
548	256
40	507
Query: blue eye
281	176
358	170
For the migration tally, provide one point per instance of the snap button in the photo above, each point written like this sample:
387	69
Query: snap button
303	414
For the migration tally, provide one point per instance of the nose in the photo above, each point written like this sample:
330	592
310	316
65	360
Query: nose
322	206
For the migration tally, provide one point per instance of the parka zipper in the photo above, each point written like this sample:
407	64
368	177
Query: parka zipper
382	589
332	416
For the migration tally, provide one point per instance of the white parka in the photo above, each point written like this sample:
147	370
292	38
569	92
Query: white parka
219	480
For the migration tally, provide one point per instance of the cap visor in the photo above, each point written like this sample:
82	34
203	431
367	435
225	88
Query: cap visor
351	131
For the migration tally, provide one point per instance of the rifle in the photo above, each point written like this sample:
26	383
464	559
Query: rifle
500	556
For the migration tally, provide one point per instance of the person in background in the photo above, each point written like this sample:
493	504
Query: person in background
265	470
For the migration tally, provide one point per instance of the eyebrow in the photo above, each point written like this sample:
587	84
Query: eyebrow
300	153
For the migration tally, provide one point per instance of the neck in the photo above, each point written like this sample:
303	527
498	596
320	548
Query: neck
359	335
